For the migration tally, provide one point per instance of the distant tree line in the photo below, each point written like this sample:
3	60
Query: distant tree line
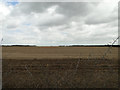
89	45
67	45
20	45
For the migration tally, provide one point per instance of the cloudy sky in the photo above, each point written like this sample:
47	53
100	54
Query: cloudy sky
58	23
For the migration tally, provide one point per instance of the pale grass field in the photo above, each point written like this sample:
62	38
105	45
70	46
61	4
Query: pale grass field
58	52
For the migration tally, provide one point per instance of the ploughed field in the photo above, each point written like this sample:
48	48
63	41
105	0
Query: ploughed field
60	67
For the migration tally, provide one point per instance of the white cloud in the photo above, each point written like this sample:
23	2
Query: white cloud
60	23
103	13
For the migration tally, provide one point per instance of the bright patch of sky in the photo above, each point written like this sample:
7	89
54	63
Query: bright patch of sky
12	3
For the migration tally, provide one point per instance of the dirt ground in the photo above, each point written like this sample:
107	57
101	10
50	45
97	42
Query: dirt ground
60	67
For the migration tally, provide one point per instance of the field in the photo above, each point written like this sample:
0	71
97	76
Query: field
60	67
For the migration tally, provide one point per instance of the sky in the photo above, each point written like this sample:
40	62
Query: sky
58	23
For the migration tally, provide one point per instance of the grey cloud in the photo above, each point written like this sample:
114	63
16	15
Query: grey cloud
74	8
100	20
52	23
71	10
11	26
97	20
99	17
28	7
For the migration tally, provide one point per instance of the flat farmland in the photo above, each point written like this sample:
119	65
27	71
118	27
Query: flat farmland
60	67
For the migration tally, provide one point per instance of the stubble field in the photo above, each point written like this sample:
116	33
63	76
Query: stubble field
60	67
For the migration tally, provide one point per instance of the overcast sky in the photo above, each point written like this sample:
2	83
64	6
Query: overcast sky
59	23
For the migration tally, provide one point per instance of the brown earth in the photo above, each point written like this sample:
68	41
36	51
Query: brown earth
60	67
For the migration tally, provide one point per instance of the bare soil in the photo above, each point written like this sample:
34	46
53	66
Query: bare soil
60	67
